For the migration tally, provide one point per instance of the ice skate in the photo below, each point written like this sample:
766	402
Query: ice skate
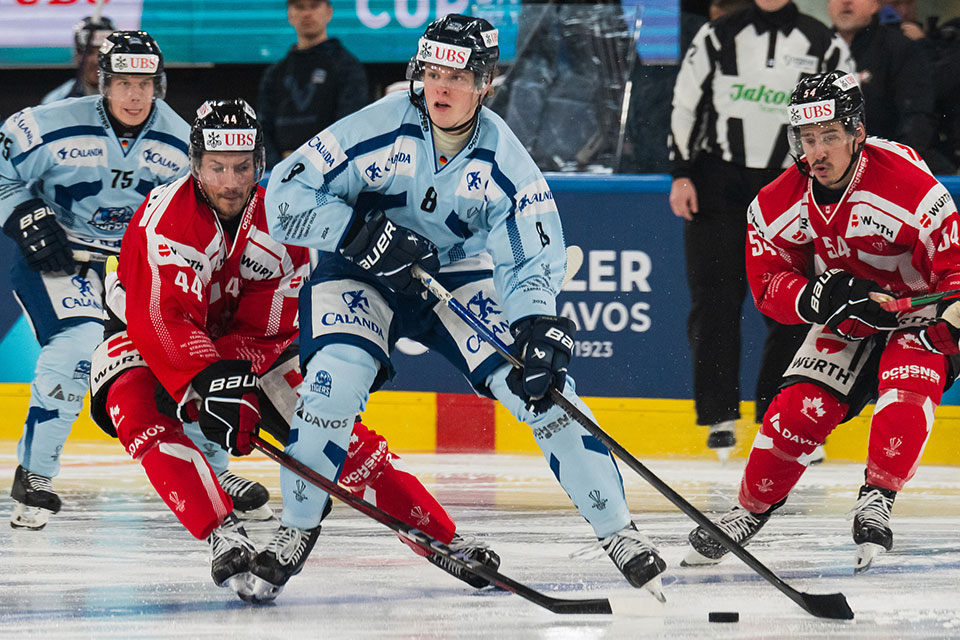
738	523
818	456
231	554
637	559
722	438
471	549
34	500
249	498
283	558
871	525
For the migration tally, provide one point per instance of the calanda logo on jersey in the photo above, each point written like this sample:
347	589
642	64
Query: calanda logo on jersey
355	301
85	297
155	157
74	152
111	218
229	139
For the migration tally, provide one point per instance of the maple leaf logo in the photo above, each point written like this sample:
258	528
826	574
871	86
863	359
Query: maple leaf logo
813	408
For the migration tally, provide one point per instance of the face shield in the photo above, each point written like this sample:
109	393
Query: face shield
810	126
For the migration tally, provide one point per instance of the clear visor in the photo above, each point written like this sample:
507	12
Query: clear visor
830	135
227	170
122	86
463	80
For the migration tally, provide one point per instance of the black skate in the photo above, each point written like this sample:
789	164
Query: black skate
637	559
249	498
34	499
231	554
871	524
470	549
281	560
722	438
738	523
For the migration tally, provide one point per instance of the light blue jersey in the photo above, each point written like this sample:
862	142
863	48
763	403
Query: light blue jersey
61	92
490	198
68	154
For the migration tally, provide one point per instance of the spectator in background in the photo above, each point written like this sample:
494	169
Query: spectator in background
728	139
895	74
88	34
316	84
720	8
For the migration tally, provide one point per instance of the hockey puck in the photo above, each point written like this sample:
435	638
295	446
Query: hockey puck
724	616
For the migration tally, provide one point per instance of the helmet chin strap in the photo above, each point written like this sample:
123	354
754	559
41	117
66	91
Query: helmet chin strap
853	161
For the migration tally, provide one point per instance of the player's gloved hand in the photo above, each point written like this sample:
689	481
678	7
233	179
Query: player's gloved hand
943	336
842	302
229	409
544	345
389	251
33	225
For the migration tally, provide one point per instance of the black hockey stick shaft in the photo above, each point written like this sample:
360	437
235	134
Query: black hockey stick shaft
429	543
825	606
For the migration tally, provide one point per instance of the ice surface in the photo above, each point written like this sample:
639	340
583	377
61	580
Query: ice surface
114	563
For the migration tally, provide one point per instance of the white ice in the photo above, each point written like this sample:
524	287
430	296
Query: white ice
114	563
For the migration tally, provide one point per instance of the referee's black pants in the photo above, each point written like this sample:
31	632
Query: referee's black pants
715	245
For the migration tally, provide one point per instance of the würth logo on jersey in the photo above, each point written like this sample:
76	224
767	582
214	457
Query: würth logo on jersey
164	250
229	139
119	344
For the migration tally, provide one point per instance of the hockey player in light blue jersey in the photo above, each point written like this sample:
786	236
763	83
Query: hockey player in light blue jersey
88	35
432	178
72	174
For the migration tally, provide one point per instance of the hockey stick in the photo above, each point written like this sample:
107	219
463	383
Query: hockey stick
431	544
574	262
832	605
915	302
82	255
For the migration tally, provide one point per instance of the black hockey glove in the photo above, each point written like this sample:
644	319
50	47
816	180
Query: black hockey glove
544	345
842	302
943	336
388	251
42	240
229	409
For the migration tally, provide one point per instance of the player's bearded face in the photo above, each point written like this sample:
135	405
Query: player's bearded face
130	98
451	95
828	148
228	179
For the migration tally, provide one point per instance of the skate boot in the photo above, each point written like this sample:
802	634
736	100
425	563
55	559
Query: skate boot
637	559
722	438
471	549
231	554
249	497
738	523
281	560
871	524
818	456
34	500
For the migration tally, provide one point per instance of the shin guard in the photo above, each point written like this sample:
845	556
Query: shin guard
797	422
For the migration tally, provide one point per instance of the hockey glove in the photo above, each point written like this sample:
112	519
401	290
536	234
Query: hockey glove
229	409
388	251
33	225
842	302
943	336
544	345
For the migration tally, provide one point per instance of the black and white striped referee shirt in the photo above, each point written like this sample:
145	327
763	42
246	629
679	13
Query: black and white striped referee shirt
731	94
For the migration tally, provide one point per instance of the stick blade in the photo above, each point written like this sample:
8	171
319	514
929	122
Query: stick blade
829	605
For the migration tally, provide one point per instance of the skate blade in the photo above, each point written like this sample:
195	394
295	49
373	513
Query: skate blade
866	553
259	591
241	584
696	559
33	518
655	586
723	454
263	512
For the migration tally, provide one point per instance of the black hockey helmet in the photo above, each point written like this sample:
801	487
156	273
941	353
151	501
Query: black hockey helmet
131	53
89	31
461	42
226	125
825	97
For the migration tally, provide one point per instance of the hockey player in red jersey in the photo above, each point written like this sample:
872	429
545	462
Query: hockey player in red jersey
858	221
203	310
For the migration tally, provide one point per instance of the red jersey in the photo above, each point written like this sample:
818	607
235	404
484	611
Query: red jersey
895	225
195	296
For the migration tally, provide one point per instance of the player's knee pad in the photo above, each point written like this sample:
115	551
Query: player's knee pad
139	424
799	419
63	368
